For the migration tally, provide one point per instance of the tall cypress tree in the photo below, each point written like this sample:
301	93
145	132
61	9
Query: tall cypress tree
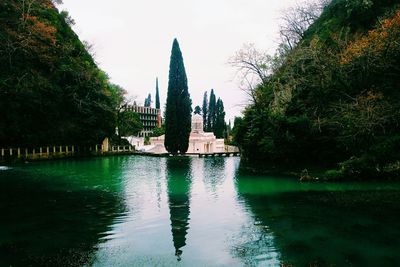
157	95
211	112
228	130
179	105
205	110
147	101
219	126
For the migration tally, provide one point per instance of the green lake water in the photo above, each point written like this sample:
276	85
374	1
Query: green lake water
140	211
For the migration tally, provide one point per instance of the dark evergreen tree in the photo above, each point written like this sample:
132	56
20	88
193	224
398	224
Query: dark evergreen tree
197	110
211	112
147	101
179	105
157	96
205	110
228	130
219	127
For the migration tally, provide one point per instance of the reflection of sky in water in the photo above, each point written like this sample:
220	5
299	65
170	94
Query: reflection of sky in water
5	168
140	211
219	230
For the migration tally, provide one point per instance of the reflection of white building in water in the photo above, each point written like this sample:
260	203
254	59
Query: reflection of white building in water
199	141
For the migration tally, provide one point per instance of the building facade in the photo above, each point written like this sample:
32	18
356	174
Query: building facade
150	117
199	141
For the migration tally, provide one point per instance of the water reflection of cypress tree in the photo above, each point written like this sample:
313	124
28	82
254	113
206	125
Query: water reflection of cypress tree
179	182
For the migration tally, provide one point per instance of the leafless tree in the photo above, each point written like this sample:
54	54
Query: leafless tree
57	2
253	68
362	116
297	19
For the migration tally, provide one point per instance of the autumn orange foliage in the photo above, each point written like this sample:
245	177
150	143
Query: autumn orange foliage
376	41
41	30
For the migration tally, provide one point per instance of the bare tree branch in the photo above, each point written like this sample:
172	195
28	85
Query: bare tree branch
297	19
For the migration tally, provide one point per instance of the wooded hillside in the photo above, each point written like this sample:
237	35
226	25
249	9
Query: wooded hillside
331	97
51	91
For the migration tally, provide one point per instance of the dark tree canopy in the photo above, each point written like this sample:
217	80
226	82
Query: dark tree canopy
197	110
147	101
211	112
158	131
179	105
51	91
128	123
157	96
219	127
213	115
205	110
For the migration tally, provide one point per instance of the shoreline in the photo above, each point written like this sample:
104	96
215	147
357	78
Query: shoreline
311	174
22	159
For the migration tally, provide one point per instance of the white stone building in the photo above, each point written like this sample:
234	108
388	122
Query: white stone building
199	141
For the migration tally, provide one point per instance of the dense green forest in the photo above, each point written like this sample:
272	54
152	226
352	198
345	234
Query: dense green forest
51	90
330	95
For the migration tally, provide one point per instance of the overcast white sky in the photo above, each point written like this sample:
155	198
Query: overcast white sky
132	41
